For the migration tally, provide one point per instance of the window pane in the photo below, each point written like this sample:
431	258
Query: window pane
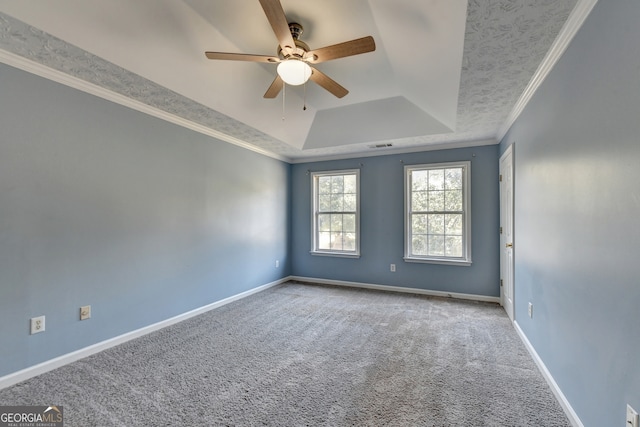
453	200
324	240
337	184
337	202
436	224
453	179
349	242
419	224
436	201
350	184
324	222
324	185
419	180
453	246
453	224
324	203
336	222
436	245
419	201
419	245
350	202
349	223
436	179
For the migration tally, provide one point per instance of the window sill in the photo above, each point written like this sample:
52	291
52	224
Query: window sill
335	254
460	263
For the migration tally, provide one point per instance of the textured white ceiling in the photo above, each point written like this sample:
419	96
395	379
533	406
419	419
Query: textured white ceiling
445	72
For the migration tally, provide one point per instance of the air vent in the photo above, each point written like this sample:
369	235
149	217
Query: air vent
381	146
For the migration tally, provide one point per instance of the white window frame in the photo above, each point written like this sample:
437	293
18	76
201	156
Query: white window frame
465	259
315	211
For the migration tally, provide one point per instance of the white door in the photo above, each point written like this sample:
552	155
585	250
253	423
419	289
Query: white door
506	231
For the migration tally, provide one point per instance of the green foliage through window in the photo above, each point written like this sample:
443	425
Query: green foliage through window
437	212
335	212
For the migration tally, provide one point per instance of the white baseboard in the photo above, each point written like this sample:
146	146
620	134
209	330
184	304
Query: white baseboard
49	365
65	359
566	406
472	297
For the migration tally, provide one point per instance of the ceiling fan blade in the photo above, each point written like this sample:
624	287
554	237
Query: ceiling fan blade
275	88
328	83
278	20
341	50
242	57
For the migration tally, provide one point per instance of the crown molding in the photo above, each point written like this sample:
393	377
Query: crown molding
577	17
399	150
38	69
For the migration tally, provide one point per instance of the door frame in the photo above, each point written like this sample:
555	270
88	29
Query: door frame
507	276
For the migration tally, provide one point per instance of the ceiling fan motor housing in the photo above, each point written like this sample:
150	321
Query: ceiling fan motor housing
296	30
301	47
299	52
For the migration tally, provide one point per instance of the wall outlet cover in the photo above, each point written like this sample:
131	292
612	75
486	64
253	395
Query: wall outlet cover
37	325
85	312
632	417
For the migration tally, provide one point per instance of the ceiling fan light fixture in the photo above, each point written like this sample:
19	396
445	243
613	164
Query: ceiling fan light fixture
294	71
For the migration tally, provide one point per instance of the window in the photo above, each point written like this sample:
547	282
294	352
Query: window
336	213
438	214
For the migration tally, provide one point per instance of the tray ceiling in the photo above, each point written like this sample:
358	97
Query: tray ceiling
445	73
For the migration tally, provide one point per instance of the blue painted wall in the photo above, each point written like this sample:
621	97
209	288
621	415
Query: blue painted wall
577	207
382	225
142	219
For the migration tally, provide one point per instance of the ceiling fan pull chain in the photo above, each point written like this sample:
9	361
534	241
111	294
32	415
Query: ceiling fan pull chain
304	97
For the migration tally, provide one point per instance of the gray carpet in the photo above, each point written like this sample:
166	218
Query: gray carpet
310	355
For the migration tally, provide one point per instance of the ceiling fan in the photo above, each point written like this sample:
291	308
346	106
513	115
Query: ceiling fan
294	57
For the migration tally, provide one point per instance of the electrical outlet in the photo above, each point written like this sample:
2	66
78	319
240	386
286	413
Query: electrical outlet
37	325
277	263
632	417
392	267
530	310
85	312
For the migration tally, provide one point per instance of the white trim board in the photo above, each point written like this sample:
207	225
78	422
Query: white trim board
33	67
427	292
65	359
562	400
